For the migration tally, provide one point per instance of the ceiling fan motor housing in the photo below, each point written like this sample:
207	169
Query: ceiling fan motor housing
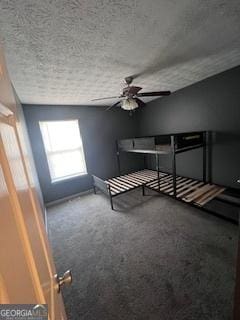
131	91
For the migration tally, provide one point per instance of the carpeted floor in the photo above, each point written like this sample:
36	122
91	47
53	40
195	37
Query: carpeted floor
152	259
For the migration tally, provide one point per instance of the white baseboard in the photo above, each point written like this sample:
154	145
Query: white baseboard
75	195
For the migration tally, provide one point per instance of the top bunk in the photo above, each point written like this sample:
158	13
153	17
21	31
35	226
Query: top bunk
163	144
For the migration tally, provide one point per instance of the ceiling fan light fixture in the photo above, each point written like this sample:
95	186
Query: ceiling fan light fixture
129	104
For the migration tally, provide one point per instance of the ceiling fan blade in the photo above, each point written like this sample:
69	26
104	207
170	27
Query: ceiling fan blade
105	98
113	105
140	102
154	94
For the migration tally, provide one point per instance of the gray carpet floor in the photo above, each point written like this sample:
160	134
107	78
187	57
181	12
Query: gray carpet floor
152	259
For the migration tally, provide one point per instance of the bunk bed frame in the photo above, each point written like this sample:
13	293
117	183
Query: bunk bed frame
124	183
192	191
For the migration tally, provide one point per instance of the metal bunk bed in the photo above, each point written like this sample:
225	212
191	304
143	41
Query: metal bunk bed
186	189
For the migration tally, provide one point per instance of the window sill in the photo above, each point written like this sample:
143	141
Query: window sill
65	179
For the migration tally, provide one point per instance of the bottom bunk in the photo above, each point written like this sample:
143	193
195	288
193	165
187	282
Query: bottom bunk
124	183
187	189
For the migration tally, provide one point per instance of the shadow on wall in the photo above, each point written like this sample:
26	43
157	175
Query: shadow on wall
226	138
226	146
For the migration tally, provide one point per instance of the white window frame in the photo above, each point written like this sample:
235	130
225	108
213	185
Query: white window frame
49	153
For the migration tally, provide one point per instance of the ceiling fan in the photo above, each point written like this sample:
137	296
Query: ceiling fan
129	99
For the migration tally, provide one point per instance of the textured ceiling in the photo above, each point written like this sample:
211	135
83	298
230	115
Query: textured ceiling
71	51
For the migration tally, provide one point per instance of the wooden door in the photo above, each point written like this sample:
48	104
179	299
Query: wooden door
236	311
27	271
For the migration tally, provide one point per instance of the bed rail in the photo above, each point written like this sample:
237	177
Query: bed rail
100	184
104	187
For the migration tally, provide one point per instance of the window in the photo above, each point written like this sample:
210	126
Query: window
64	149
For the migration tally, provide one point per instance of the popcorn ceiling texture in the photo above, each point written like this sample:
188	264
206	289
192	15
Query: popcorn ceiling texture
71	51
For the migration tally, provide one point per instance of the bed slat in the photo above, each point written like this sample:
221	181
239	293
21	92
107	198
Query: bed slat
195	194
117	181
209	196
162	180
116	185
190	187
134	179
179	183
127	181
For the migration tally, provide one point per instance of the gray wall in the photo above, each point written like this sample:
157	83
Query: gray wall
212	104
99	130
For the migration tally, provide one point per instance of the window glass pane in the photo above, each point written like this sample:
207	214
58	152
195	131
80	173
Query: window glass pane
69	163
64	150
61	135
